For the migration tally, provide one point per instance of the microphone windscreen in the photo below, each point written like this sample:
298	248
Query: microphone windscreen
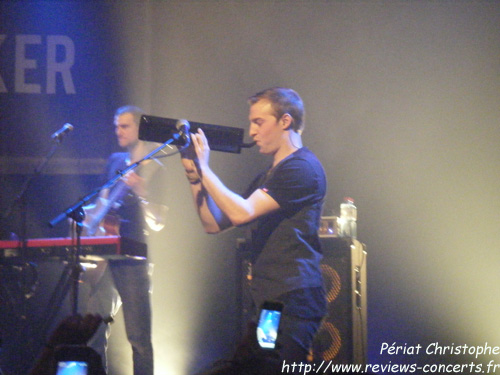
182	125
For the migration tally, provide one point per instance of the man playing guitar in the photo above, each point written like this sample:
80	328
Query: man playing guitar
127	209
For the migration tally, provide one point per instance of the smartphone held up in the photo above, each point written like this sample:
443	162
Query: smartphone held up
268	325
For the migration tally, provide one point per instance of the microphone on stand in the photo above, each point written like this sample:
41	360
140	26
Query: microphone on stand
59	135
183	127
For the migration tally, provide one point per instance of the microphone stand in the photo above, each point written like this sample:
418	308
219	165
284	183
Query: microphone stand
77	213
27	285
70	277
21	200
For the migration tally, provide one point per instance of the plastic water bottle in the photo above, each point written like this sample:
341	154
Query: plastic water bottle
348	217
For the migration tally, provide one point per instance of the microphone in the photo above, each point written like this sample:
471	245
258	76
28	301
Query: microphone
183	127
58	135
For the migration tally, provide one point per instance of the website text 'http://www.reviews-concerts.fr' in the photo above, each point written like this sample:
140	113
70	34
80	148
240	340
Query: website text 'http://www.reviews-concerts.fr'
468	361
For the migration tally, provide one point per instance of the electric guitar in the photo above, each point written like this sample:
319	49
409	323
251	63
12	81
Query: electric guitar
98	220
101	218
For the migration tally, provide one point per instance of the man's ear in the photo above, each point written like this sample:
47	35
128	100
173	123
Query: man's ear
287	121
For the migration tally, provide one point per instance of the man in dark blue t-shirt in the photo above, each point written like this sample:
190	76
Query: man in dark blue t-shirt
285	203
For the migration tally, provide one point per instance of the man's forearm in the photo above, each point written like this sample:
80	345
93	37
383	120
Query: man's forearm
207	210
213	219
232	205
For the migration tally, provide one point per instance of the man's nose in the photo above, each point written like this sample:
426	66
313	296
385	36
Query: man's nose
252	131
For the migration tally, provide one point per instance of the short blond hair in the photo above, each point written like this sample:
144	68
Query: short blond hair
283	100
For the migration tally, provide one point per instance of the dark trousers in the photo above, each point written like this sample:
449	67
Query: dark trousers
126	284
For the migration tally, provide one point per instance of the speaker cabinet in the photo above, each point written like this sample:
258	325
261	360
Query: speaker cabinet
342	335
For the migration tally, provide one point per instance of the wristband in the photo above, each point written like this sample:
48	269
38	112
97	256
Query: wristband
194	181
193	177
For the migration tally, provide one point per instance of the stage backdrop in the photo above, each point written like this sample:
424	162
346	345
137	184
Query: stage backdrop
402	108
59	64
